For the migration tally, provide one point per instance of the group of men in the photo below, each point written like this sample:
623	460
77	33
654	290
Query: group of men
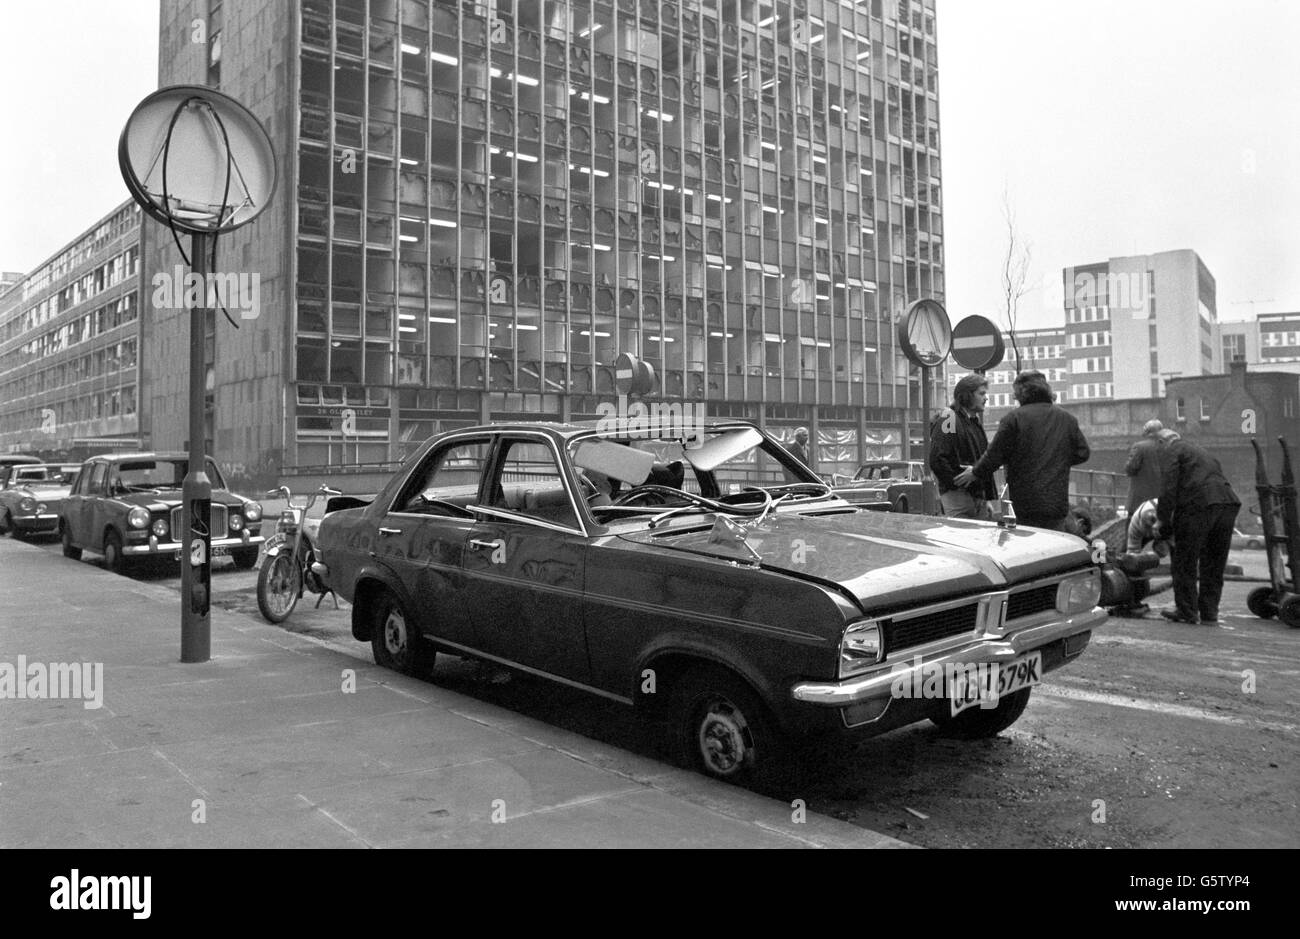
1179	492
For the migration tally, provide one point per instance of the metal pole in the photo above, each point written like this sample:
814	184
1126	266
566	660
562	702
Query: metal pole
927	488
195	538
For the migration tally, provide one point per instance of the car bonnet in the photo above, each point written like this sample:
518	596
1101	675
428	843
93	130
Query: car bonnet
884	559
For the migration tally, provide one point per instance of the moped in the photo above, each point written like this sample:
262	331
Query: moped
285	566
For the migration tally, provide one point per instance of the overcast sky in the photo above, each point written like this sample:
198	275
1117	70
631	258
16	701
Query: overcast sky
1117	127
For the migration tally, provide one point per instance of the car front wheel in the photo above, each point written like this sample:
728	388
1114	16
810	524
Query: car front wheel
724	731
69	551
396	640
977	723
244	558
114	559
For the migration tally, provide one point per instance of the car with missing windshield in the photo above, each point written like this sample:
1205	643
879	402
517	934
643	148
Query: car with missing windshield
709	579
127	507
31	495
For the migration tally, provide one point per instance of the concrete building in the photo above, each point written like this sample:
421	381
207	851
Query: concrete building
1270	342
482	205
70	340
1132	322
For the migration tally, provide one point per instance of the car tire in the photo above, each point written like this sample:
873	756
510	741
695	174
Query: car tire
724	730
1261	602
1289	612
6	523
114	559
978	723
244	558
1254	544
902	505
69	551
396	641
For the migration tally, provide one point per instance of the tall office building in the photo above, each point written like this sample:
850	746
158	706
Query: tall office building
70	369
481	205
1132	322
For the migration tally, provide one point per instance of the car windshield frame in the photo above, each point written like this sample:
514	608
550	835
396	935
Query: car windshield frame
705	482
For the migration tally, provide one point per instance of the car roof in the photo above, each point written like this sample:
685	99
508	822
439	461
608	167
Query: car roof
153	455
7	459
574	428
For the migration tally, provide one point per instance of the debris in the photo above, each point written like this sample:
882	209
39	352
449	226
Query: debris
920	815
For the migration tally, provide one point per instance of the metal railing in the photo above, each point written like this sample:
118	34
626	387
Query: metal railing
1100	492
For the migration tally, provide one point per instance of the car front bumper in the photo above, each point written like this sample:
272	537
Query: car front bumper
163	548
1066	638
35	524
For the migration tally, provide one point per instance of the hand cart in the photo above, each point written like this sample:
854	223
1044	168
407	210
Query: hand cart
1277	513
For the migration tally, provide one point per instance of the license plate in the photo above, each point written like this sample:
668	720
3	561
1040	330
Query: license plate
984	684
267	545
220	551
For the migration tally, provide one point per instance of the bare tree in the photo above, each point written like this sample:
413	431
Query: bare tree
1015	273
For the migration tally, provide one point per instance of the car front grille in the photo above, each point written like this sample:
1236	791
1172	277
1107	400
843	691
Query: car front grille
217	523
941	624
1028	602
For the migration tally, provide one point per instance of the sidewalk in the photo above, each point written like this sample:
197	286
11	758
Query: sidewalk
262	746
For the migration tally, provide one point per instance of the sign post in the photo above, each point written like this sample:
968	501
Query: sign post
199	162
925	336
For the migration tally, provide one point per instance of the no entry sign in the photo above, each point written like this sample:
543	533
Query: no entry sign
977	344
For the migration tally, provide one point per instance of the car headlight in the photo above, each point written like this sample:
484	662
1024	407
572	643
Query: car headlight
253	511
1079	594
27	505
160	527
236	522
860	648
138	517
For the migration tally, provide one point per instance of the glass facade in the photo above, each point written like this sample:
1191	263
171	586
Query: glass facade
495	200
69	345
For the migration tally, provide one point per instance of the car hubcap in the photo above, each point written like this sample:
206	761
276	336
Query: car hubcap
395	633
724	738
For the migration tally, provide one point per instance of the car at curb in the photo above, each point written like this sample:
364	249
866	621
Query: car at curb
31	495
127	507
1242	540
897	482
709	580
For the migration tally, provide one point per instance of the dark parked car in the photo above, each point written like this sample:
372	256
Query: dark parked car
128	506
31	495
897	482
721	584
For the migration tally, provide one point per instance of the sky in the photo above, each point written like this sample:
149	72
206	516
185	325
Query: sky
1115	127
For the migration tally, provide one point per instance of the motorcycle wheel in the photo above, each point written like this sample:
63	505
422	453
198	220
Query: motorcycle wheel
279	584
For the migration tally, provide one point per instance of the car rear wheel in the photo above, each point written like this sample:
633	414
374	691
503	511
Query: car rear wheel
396	640
978	723
723	729
114	559
69	551
1254	544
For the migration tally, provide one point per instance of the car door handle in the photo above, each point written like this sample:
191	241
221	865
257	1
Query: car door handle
475	543
390	531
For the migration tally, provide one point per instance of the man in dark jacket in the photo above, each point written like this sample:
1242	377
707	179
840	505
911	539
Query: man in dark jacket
1144	466
1038	442
1197	505
957	441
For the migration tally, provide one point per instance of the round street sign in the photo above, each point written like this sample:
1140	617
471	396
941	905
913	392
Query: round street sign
632	376
925	333
977	344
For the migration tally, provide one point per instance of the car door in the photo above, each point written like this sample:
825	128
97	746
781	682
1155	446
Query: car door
421	537
525	564
92	480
